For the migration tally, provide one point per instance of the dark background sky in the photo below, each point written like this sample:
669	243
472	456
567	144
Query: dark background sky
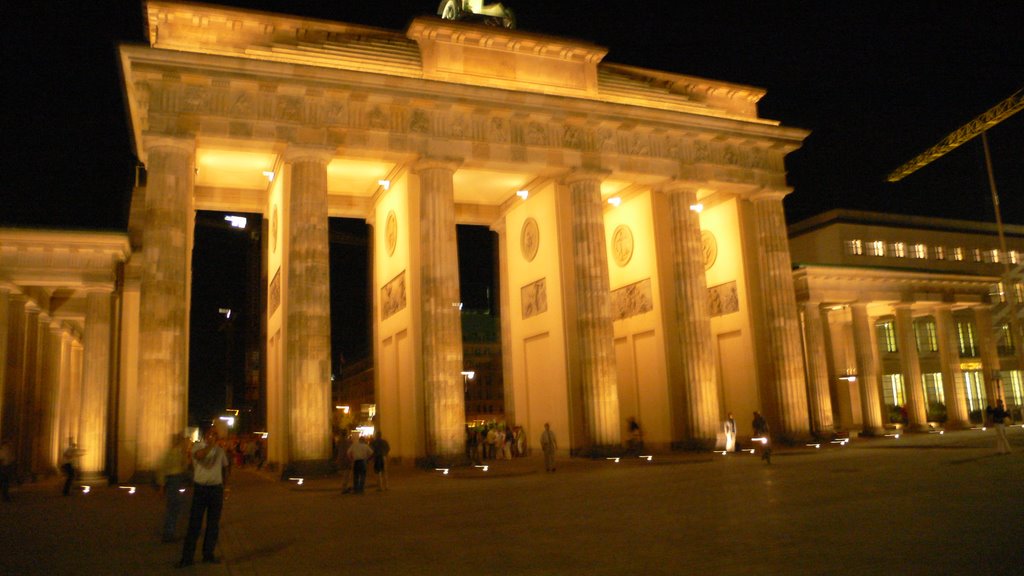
875	83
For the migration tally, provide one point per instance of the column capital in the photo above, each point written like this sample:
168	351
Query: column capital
293	154
424	163
154	141
769	194
679	186
581	174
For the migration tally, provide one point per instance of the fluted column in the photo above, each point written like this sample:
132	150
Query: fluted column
952	375
92	437
163	298
308	360
989	353
14	369
48	429
74	396
697	392
785	380
62	407
30	382
818	397
5	298
867	370
505	310
910	366
440	323
594	331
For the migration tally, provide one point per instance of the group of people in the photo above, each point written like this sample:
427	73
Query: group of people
494	442
761	434
354	458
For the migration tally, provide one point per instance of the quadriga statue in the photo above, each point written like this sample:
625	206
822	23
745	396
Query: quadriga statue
476	11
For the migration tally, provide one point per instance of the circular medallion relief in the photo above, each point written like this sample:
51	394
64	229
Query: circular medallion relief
273	230
709	246
622	245
529	239
391	233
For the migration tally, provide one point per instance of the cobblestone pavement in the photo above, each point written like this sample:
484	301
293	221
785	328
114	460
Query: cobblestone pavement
924	504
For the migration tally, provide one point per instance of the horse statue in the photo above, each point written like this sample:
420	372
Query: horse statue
476	11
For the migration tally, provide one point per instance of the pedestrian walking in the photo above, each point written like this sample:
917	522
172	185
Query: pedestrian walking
999	417
549	444
381	449
172	478
210	466
6	469
730	433
760	426
359	452
69	464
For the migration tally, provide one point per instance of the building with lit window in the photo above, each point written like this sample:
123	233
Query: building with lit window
917	327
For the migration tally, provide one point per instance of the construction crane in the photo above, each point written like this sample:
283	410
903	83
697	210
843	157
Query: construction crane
979	125
1010	308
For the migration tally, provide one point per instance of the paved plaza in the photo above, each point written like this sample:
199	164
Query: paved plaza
924	504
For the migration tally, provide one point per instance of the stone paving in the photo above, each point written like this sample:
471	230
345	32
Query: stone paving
922	504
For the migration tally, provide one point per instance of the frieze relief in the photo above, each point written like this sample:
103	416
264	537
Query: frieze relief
328	111
392	296
534	298
723	299
632	300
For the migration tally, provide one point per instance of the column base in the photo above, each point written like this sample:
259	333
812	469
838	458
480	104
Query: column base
309	469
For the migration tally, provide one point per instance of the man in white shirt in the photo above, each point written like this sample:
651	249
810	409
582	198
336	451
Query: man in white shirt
359	453
210	468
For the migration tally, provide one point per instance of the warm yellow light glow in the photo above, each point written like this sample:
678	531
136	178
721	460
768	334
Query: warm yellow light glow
298	481
469	374
616	460
524	194
365	431
229	420
760	439
615	201
86	489
385	184
698	207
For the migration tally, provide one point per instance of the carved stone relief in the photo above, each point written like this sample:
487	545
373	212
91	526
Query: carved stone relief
709	245
622	245
723	299
529	239
391	233
274	296
392	296
632	300
535	298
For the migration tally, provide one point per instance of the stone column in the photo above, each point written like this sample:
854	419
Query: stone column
92	437
594	332
163	299
867	370
74	393
440	322
506	324
5	299
785	378
308	347
818	397
910	367
697	392
29	388
48	429
906	342
989	353
952	375
62	407
14	369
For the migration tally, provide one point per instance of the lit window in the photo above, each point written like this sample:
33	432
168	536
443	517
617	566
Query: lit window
976	254
991	256
855	247
898	250
927	336
876	248
918	251
958	253
892	390
887	335
968	344
940	252
1004	340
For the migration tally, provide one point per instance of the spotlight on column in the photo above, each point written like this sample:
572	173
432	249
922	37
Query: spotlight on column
524	194
237	221
698	207
814	445
647	457
86	489
615	201
385	184
895	436
225	311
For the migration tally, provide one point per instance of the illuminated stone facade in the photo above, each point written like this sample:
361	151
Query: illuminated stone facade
906	320
643	261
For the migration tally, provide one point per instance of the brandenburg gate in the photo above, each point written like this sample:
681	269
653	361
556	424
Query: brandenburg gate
644	265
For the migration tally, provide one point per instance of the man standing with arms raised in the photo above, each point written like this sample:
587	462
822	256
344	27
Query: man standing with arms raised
210	465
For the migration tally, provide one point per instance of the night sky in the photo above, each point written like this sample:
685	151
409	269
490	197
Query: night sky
874	83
